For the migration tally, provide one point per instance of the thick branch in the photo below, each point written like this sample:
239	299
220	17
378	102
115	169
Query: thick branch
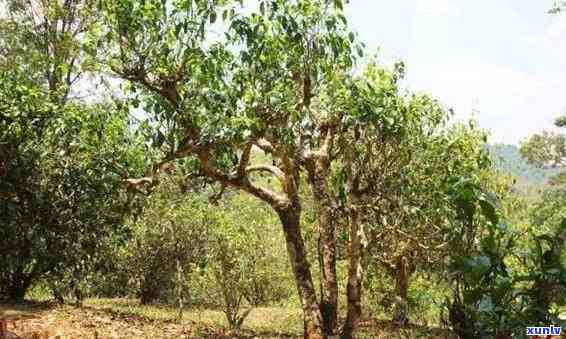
328	139
244	160
267	168
265	145
167	90
387	264
273	198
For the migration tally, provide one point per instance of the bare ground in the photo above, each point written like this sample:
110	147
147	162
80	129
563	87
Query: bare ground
121	318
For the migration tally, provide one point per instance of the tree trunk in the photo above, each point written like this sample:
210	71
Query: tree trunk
58	297
16	294
79	297
290	220
402	274
541	291
148	293
326	221
180	281
355	270
19	284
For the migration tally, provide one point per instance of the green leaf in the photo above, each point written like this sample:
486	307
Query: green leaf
351	36
486	305
489	211
360	51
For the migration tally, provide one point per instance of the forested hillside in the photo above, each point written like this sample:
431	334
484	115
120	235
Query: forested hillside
509	159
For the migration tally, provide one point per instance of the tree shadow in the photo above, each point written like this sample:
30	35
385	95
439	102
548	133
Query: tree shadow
25	309
376	328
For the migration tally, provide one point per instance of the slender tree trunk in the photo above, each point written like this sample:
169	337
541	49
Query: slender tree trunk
326	220
355	270
541	291
180	272
180	282
19	284
79	297
402	274
148	292
16	294
290	220
58	297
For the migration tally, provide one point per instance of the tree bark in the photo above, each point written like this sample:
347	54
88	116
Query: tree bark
18	286
16	294
355	270
326	221
148	293
290	220
402	273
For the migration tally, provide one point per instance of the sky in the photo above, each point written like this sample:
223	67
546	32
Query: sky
502	62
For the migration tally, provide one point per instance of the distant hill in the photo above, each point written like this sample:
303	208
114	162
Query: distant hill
508	158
